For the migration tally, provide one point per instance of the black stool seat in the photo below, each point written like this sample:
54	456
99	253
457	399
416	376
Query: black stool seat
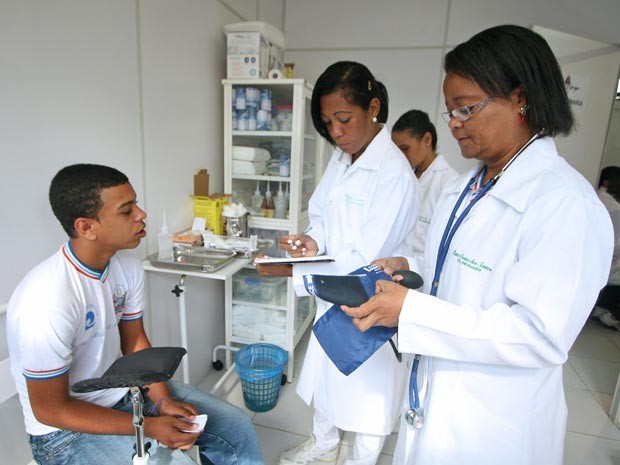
137	369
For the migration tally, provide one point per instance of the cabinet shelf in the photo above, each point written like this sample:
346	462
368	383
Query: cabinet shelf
251	303
306	149
262	177
262	133
260	222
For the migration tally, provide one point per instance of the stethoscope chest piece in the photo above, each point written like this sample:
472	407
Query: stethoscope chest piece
415	417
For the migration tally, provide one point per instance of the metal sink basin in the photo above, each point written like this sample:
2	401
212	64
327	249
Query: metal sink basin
190	258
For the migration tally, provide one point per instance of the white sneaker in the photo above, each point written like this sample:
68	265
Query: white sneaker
609	320
307	453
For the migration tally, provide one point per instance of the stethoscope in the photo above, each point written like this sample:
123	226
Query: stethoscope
415	414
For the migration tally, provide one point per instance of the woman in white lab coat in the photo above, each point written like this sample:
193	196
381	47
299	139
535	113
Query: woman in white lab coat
513	283
364	207
416	137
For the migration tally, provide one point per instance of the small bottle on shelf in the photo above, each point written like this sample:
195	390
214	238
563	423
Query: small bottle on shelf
268	206
257	202
281	203
284	163
287	195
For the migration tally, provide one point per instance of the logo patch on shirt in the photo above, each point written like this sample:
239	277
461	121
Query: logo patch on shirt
90	317
120	296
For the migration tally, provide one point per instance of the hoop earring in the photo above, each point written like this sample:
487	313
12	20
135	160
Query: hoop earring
374	119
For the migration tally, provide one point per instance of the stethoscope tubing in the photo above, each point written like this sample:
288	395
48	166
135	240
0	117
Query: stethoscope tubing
442	253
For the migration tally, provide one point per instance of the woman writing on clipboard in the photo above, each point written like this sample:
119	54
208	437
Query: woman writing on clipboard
363	208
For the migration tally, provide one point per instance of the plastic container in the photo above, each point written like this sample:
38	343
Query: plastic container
251	111
249	286
252	97
164	241
240	102
242	120
284	164
265	100
263	120
284	117
260	368
237	226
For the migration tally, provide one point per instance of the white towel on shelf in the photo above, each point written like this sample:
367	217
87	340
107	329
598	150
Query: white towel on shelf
240	152
248	167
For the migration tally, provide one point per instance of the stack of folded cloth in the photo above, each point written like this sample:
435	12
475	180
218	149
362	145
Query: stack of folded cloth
249	160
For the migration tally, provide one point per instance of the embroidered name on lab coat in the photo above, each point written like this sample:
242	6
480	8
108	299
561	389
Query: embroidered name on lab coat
355	201
471	262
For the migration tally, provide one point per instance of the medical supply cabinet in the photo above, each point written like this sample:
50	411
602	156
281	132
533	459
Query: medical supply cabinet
270	116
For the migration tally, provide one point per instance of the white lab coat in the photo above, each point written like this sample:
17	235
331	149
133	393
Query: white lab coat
432	182
358	213
521	276
613	208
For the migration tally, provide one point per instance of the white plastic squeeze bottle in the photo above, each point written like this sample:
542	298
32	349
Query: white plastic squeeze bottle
164	241
280	203
257	201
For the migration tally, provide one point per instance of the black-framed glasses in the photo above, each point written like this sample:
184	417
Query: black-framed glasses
466	111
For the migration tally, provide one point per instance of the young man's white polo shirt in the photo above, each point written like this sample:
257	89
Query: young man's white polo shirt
63	318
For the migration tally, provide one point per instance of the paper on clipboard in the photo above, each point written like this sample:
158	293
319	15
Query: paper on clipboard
292	260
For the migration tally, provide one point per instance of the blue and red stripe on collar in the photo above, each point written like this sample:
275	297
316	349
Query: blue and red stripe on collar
67	251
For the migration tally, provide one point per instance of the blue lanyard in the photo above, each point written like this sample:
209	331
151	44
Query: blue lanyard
444	246
415	415
452	226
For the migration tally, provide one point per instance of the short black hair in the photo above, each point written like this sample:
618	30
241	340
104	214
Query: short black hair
75	192
417	123
608	173
358	85
505	58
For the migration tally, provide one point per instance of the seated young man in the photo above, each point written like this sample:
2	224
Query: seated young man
76	313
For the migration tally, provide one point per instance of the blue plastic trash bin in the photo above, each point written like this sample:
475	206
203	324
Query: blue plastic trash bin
260	368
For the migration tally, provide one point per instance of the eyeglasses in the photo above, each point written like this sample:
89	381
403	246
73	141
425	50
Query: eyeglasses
466	111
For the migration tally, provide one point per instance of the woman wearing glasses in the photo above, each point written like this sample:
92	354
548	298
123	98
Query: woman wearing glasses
516	254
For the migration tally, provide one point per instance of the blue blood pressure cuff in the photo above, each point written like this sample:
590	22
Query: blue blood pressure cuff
345	345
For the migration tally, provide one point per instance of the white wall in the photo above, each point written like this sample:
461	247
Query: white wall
131	84
403	43
592	68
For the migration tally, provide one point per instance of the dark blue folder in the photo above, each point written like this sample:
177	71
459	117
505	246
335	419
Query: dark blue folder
345	345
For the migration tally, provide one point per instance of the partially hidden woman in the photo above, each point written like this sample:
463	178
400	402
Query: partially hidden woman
416	137
363	208
516	253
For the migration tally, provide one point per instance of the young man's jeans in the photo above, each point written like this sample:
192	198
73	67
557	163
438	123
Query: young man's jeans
228	438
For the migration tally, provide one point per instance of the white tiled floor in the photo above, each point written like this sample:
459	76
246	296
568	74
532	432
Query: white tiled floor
590	377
